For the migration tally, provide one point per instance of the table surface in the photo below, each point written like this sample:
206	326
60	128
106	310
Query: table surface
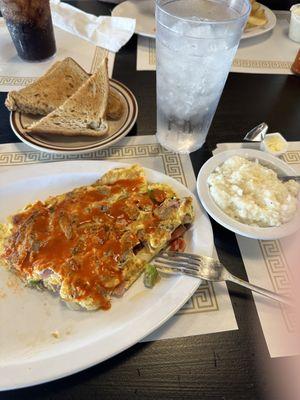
229	365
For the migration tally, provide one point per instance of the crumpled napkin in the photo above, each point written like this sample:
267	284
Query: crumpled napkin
110	33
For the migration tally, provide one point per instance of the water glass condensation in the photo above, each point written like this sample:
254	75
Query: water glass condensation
30	26
196	41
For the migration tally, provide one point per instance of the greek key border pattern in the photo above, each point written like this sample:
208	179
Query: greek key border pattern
13	81
204	299
261	64
113	152
99	54
171	161
279	274
291	157
237	62
275	262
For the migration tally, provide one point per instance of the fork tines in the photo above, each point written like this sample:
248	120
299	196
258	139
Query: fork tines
174	255
173	262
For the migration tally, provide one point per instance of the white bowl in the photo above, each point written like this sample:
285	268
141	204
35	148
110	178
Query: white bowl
223	219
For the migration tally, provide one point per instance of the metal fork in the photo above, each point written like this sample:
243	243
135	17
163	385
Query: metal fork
209	269
288	177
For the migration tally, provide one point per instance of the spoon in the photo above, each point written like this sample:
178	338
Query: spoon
257	134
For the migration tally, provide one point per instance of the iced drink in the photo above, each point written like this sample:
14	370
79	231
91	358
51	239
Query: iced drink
196	41
30	26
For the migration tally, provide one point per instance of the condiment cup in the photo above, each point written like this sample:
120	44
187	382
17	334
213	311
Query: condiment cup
294	29
272	140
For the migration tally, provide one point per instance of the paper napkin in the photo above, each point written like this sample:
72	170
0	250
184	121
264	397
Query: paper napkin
110	33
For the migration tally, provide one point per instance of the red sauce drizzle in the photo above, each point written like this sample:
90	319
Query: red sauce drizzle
79	237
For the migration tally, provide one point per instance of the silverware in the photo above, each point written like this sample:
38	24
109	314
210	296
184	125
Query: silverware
257	134
209	269
288	177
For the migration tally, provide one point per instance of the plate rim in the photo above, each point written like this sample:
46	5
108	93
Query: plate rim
28	376
257	31
252	232
136	31
246	35
94	147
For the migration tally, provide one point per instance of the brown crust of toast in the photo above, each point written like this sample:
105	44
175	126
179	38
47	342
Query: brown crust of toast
18	100
70	132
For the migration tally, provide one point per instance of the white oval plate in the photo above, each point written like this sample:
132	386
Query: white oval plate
260	30
29	354
223	219
144	13
50	143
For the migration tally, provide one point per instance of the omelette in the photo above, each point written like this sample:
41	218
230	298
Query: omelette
93	242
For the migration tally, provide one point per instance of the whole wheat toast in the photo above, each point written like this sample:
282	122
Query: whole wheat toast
81	114
49	91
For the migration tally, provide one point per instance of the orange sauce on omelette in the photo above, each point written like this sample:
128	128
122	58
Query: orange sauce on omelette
80	237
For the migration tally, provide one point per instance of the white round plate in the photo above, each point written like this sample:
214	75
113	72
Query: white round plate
50	143
143	11
29	354
260	30
218	215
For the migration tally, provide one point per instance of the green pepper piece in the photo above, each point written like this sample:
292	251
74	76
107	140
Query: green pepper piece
33	282
150	276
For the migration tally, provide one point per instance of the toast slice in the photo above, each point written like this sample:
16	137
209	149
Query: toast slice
50	90
83	113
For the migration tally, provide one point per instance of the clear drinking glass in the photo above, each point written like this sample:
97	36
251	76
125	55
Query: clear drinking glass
196	41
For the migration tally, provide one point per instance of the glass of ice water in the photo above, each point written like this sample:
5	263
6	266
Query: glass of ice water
196	41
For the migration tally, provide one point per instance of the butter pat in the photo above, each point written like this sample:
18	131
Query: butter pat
274	143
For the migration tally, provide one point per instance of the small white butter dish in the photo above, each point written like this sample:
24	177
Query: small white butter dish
274	143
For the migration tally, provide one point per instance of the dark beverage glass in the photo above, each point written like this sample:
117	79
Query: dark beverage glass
30	26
